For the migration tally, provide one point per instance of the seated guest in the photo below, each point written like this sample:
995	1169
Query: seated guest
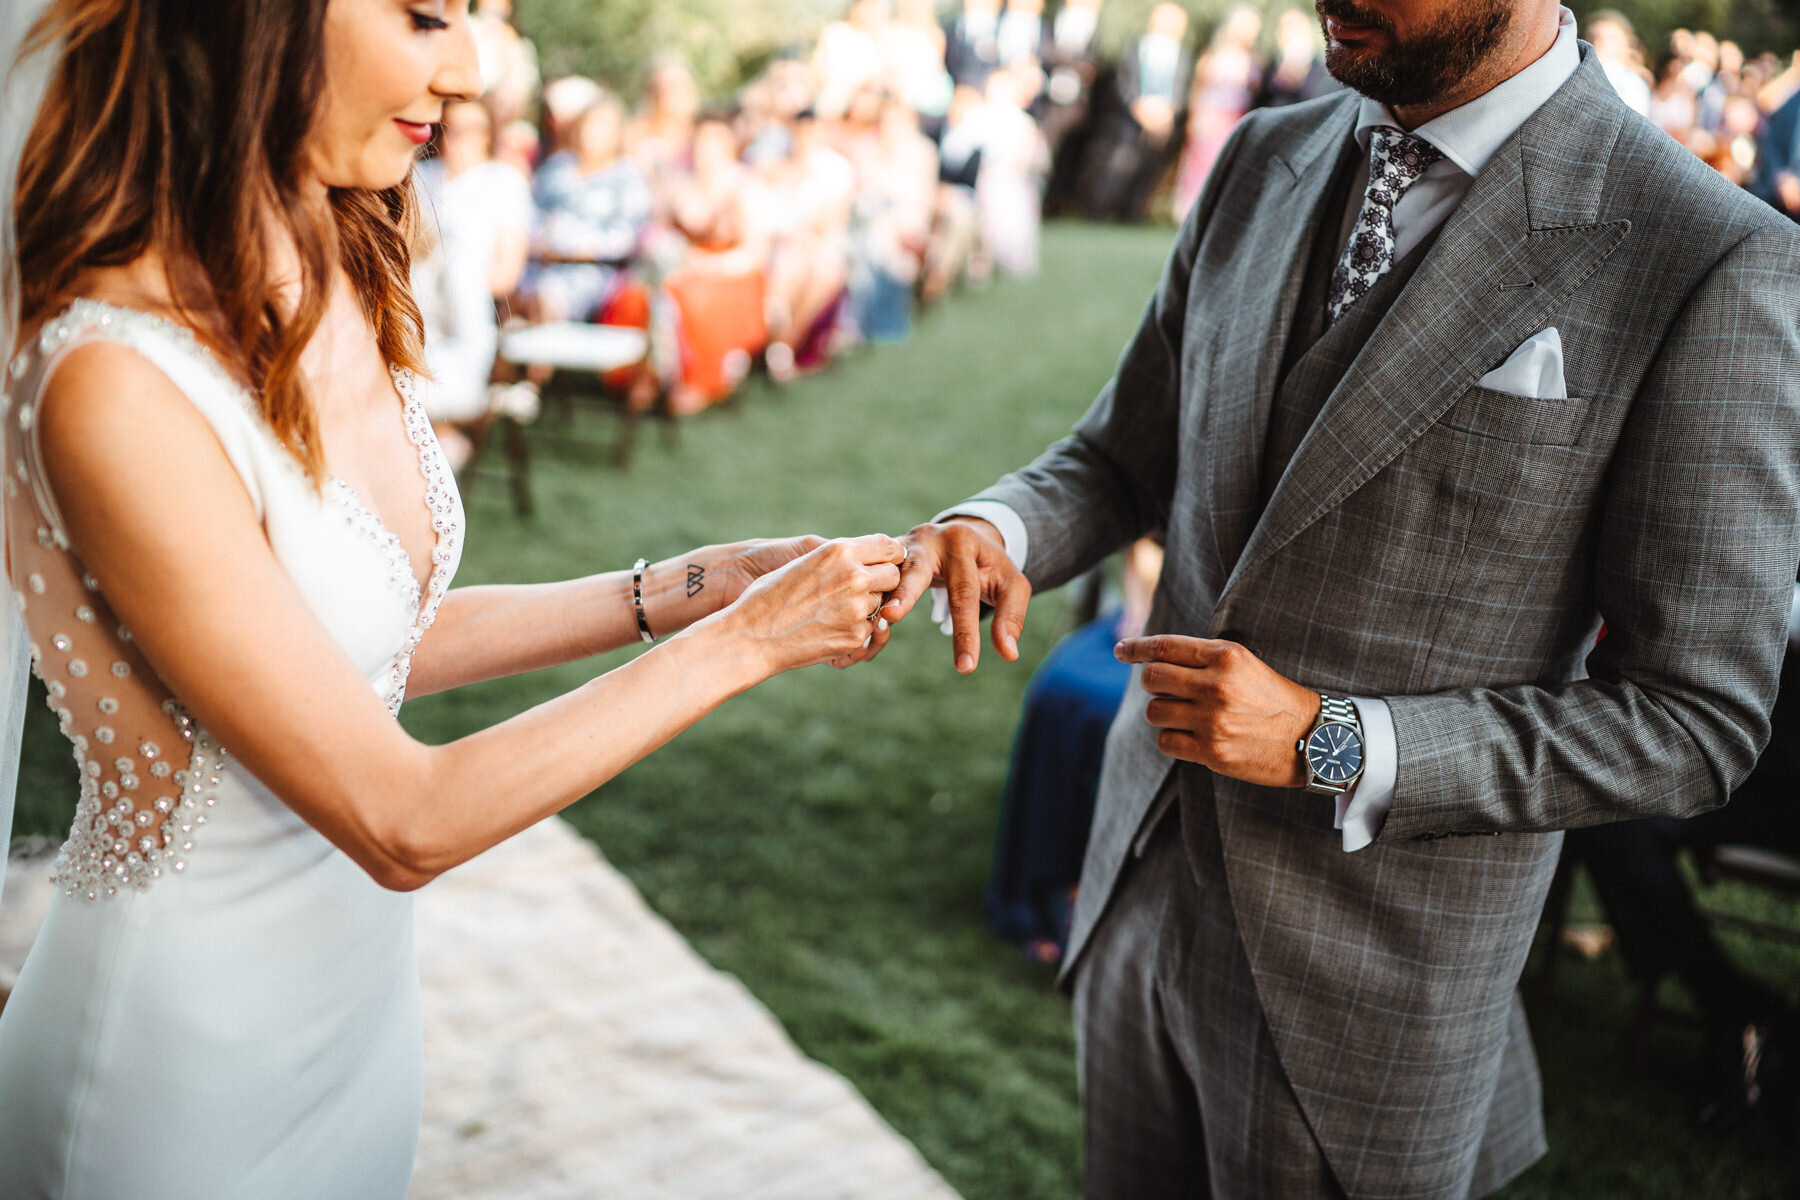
481	212
660	136
594	207
1660	931
768	108
561	104
519	147
478	201
955	249
719	287
806	204
896	185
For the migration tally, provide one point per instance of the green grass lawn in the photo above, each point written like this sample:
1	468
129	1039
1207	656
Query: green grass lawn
826	837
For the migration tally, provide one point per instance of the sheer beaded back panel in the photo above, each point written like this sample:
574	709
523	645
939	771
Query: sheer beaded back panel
148	772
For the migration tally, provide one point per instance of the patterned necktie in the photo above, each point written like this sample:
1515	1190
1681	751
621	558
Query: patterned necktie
1396	162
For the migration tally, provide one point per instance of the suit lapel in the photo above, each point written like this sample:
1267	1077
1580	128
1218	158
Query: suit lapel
1521	242
1243	384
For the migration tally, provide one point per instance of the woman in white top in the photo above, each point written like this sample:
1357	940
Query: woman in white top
231	534
478	216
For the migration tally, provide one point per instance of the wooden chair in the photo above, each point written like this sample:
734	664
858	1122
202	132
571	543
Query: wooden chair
480	432
562	354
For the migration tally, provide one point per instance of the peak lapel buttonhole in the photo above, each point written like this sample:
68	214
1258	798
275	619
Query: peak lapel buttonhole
1522	286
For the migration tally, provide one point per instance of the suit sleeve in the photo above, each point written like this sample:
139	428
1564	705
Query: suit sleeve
1113	479
1699	535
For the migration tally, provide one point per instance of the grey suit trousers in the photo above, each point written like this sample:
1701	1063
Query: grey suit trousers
1183	1090
1183	1093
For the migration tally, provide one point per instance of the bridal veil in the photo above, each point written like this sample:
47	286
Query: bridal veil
20	93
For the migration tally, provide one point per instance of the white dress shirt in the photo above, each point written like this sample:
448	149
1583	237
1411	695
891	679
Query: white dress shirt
1468	137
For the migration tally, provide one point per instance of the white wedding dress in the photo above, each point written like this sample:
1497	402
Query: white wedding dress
220	1003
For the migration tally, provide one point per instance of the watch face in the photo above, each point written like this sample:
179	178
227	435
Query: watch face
1335	753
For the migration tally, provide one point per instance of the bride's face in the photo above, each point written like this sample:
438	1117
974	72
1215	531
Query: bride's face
390	66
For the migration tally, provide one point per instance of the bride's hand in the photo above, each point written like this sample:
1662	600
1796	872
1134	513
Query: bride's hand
743	563
820	607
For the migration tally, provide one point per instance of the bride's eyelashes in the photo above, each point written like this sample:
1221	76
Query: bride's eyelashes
426	23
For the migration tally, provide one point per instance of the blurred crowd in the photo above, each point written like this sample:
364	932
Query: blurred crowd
1736	112
909	150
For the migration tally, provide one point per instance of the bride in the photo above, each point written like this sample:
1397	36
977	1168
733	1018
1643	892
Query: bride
231	534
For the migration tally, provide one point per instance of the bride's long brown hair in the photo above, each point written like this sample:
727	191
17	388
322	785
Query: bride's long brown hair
180	126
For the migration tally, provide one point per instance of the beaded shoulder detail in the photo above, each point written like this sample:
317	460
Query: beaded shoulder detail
86	313
148	772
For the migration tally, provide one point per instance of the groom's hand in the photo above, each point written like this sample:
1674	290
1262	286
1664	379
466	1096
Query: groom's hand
967	557
1217	704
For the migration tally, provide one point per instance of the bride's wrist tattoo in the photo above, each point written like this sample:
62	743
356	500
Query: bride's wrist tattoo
696	580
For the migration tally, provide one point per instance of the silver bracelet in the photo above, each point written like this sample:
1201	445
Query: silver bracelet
637	600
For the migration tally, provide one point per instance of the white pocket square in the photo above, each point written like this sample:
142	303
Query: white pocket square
1534	371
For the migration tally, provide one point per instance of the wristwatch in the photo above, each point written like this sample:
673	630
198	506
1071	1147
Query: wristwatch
1333	751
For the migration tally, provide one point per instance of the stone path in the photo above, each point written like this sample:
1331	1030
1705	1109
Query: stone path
576	1047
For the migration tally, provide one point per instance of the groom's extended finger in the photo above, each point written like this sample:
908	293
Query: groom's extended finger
962	580
1009	614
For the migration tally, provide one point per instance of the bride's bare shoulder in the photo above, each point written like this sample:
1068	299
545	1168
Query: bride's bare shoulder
107	405
107	401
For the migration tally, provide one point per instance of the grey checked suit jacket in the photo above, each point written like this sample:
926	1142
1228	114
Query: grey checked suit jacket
1453	550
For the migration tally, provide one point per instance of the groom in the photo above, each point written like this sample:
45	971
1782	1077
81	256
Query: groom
1438	379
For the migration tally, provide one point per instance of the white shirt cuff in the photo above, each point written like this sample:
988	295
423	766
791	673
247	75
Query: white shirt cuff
1012	532
1362	811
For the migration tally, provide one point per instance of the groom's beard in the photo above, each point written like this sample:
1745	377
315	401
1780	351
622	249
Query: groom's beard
1425	66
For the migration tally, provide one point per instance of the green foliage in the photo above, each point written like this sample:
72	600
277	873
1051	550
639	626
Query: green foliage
614	40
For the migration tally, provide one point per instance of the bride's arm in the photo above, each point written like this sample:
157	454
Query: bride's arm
162	521
491	631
